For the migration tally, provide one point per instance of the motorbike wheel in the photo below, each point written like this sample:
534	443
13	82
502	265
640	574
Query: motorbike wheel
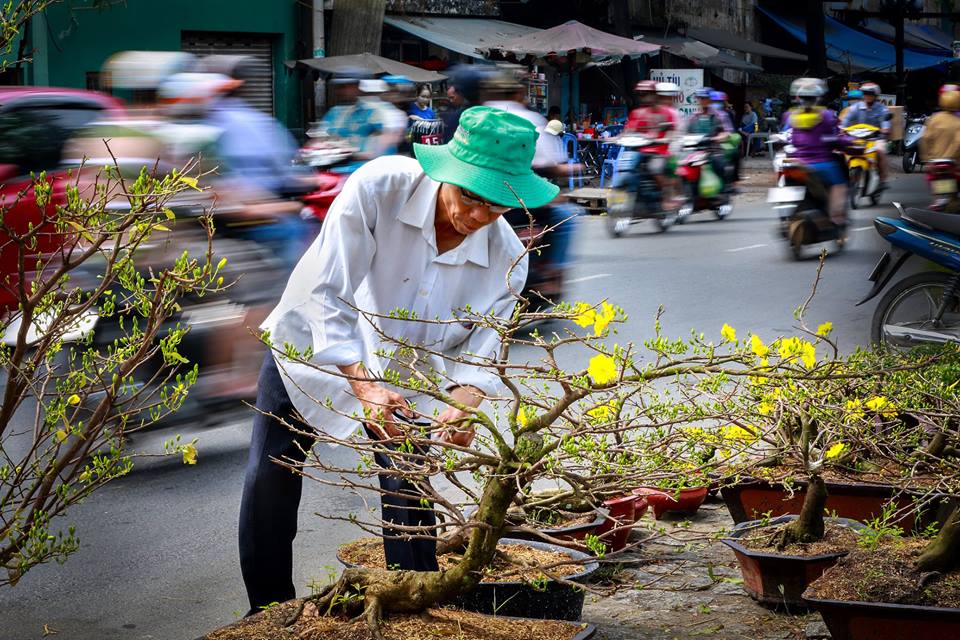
795	237
666	220
854	188
909	161
616	225
874	199
912	303
723	211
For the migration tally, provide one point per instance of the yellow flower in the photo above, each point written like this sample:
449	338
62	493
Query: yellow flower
602	369
808	354
854	409
824	329
788	347
61	435
766	407
882	406
759	349
525	414
736	432
603	411
74	399
189	454
728	333
586	315
835	450
607	313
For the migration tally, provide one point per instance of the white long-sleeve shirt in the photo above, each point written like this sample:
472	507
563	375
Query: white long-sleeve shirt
377	252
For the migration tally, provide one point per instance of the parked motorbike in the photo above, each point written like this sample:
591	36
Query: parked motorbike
703	189
861	155
925	307
942	174
911	144
802	203
636	195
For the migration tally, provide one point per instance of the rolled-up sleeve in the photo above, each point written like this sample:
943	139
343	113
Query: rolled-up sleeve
484	342
331	270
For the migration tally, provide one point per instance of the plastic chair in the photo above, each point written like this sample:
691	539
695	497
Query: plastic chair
572	147
610	162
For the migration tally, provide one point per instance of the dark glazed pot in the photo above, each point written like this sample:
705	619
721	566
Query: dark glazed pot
880	621
752	499
555	601
779	580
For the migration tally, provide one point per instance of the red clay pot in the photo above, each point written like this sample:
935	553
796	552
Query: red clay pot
775	579
754	499
640	505
686	501
881	621
620	518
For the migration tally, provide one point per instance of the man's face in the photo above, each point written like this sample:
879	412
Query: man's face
704	103
454	96
869	98
468	212
347	93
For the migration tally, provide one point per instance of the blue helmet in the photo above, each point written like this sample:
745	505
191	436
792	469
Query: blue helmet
704	92
718	96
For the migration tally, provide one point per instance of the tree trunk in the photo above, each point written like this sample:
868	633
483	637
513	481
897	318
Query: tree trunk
357	26
943	552
809	525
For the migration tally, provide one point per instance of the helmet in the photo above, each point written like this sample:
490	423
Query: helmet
645	86
718	96
870	88
703	92
855	94
809	88
950	99
667	89
190	93
949	87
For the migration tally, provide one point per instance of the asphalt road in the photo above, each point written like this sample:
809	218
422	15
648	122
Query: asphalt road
158	555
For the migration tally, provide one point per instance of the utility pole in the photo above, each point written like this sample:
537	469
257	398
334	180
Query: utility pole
357	27
816	47
319	51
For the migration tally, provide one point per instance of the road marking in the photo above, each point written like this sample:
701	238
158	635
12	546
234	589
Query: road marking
752	246
585	278
863	228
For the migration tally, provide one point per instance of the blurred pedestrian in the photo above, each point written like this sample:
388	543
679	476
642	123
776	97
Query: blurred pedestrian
463	91
749	123
417	234
421	109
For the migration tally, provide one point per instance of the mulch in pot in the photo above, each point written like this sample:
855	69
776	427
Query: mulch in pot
887	575
435	623
513	563
836	539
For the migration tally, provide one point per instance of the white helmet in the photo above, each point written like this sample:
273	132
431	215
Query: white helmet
667	89
191	93
809	88
870	87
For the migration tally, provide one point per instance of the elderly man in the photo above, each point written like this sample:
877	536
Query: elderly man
423	235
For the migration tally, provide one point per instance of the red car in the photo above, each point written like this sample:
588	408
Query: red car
35	124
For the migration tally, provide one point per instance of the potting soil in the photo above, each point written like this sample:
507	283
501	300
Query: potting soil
836	539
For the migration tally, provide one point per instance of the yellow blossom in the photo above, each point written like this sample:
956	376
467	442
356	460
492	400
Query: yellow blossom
835	450
607	313
602	369
788	347
73	400
854	409
189	454
882	406
808	354
585	314
824	329
61	435
736	432
728	333
603	411
766	407
759	349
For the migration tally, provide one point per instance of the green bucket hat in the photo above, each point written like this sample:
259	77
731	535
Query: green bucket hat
490	150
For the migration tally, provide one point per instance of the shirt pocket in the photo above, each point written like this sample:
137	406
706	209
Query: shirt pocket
455	334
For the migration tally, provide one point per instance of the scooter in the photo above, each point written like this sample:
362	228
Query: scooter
911	144
861	155
942	178
636	195
332	161
703	189
802	204
923	308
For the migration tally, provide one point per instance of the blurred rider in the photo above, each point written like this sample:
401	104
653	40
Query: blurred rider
815	139
941	137
657	121
873	112
713	123
367	123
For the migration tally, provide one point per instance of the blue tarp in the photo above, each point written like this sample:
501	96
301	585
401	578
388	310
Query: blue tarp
852	48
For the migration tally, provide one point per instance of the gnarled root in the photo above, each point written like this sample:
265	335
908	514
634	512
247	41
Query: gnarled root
366	594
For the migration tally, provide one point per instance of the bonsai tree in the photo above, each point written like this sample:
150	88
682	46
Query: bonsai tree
87	350
583	416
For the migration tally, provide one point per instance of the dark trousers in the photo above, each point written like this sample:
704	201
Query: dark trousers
271	500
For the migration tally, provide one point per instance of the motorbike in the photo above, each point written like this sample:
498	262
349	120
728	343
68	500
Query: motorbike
861	156
801	201
702	189
942	174
332	162
923	308
911	144
636	195
547	231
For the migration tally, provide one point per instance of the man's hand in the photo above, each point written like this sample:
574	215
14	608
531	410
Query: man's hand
378	402
451	420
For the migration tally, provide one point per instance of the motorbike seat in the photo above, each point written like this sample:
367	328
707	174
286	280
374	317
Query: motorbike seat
947	222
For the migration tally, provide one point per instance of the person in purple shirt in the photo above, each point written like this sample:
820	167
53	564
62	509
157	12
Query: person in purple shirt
815	136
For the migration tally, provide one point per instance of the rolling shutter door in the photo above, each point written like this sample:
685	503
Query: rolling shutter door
258	90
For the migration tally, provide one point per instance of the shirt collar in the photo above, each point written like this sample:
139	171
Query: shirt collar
419	211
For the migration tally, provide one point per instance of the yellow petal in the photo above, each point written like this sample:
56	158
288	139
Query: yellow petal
61	435
808	355
757	347
189	454
190	182
836	450
824	329
728	333
585	314
74	399
602	369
